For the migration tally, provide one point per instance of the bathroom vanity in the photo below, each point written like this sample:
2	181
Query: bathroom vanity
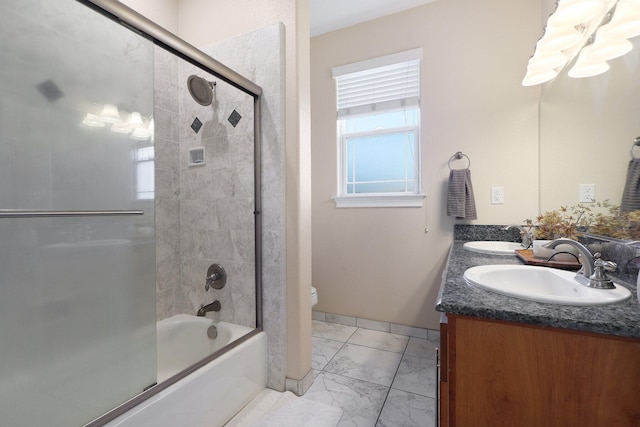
506	361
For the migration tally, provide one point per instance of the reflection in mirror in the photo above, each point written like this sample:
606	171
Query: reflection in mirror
587	130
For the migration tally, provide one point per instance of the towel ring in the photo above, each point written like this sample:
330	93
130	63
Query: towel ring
636	143
458	156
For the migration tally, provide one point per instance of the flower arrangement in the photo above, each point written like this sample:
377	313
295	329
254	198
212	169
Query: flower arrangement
615	223
565	222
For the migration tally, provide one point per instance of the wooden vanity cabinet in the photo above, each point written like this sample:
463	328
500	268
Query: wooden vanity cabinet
496	373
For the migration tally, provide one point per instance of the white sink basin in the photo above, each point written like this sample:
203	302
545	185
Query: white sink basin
541	284
493	247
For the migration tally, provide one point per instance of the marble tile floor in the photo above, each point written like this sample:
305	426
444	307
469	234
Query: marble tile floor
377	379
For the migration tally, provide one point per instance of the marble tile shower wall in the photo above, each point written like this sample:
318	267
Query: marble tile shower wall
217	199
169	298
205	213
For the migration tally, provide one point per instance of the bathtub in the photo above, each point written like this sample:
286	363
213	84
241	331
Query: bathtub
210	395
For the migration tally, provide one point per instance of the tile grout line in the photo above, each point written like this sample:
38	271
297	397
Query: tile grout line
391	385
336	353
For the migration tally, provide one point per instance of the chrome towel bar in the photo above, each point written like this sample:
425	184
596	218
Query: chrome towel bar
35	213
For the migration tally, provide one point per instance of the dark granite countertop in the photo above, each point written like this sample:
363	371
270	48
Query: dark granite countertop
457	297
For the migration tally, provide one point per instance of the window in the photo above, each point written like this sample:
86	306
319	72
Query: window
379	131
145	179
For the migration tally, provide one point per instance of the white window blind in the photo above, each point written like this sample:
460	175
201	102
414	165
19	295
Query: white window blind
382	84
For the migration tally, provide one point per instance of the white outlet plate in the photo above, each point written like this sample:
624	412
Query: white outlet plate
587	193
497	195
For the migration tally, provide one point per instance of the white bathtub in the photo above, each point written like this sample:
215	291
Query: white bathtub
211	395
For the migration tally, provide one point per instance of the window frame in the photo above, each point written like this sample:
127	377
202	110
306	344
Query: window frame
378	199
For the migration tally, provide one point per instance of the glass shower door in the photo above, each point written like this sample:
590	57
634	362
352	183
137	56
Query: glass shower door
77	245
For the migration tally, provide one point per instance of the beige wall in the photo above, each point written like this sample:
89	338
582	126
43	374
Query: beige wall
378	263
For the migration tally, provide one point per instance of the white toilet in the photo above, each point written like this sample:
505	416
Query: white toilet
314	297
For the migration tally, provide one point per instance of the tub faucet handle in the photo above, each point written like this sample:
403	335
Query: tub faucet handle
216	277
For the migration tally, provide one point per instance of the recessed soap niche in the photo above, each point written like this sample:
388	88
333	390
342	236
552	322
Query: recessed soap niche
196	156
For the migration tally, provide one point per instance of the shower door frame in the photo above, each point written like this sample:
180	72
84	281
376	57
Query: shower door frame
172	43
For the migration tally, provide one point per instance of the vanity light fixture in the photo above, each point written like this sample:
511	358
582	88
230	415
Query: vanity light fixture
151	127
121	127
587	66
606	48
625	22
594	31
140	131
110	114
93	121
575	12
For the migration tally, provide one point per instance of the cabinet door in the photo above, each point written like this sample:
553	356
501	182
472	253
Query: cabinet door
504	374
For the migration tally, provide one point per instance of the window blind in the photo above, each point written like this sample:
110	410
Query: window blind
381	88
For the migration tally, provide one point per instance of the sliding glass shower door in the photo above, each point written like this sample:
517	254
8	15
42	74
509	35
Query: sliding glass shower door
77	245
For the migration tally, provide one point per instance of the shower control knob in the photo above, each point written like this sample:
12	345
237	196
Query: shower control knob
216	277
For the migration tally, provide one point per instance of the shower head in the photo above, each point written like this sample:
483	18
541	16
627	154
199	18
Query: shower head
200	89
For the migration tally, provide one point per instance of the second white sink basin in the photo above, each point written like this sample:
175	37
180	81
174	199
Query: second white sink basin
541	284
493	247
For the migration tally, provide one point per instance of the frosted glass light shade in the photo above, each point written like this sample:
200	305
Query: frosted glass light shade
93	121
121	127
135	121
574	12
110	114
559	38
534	77
606	49
141	134
547	60
625	30
151	128
625	22
587	66
140	131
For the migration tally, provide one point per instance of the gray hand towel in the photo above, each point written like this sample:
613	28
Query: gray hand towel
460	200
631	193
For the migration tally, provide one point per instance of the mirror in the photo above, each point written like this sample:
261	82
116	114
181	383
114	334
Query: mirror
587	129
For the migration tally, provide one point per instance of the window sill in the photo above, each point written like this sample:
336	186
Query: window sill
380	201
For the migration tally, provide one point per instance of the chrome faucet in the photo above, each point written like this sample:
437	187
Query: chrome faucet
204	309
592	272
526	236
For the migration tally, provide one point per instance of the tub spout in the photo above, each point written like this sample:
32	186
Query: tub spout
204	309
